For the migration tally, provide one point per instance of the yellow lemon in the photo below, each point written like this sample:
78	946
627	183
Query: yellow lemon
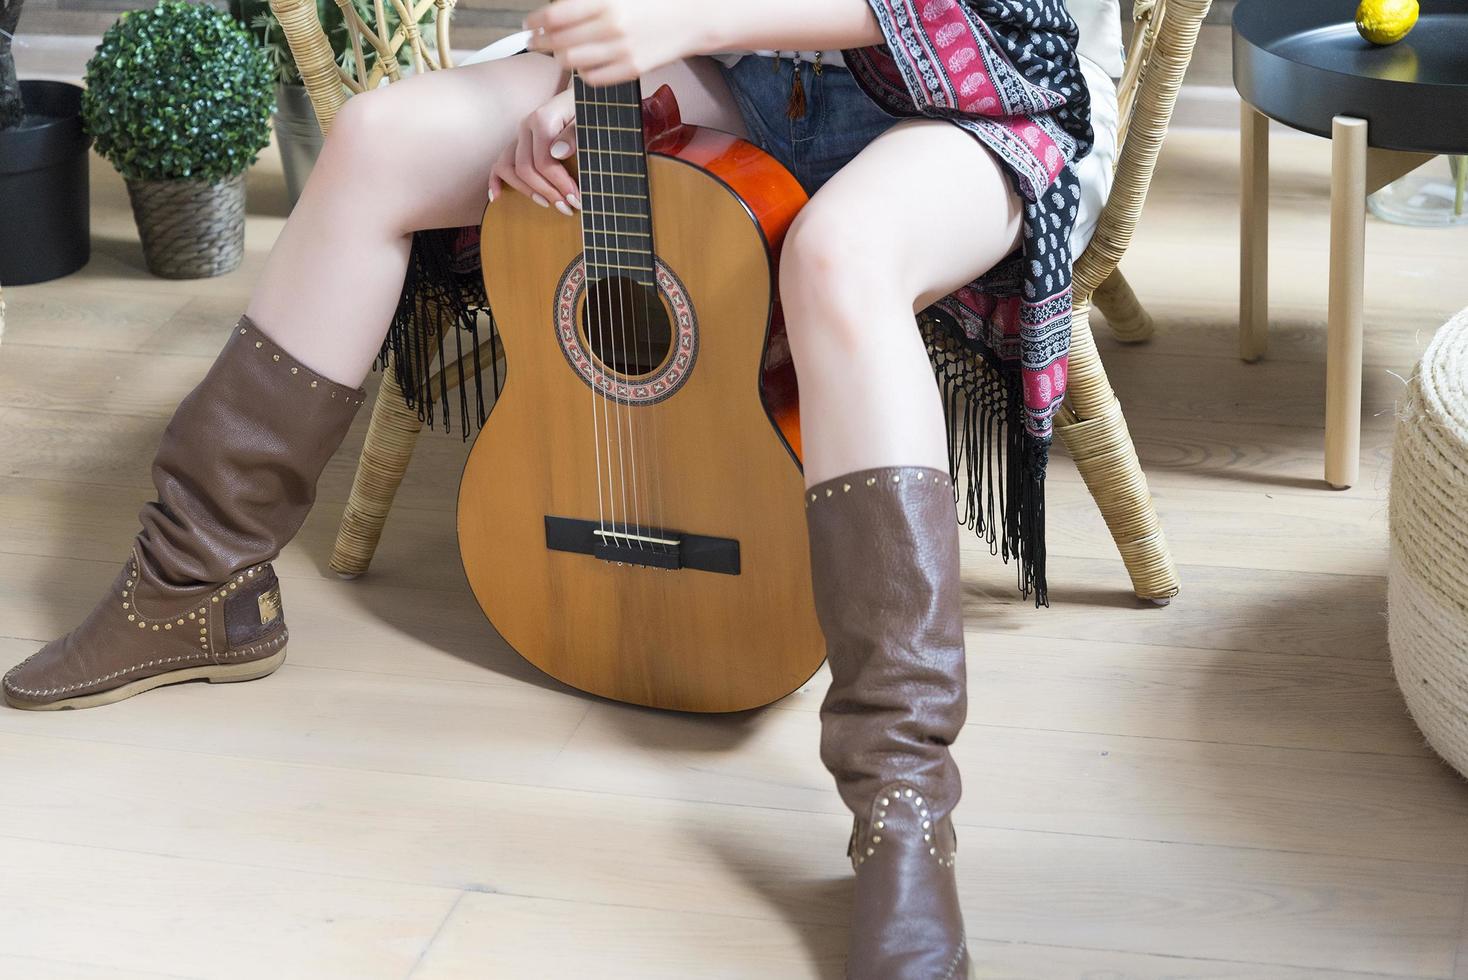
1386	21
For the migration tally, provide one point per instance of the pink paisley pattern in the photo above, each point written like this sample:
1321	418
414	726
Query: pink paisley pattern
947	34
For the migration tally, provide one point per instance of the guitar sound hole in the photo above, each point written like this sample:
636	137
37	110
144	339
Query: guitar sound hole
626	327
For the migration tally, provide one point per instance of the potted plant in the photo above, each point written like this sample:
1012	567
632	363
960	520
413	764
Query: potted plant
179	99
297	134
44	190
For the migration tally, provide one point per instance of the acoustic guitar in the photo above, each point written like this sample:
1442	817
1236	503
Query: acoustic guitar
631	515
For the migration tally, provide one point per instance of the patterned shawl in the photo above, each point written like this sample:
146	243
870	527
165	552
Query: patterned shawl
1007	72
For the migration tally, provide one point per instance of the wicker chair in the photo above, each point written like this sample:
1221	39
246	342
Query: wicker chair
1090	423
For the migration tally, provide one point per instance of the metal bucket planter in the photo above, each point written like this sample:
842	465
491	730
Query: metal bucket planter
191	229
297	135
45	220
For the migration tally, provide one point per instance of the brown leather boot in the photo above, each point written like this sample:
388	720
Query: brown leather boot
884	563
197	598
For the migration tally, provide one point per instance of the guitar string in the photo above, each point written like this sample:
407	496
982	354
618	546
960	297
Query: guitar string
609	389
651	296
626	98
630	434
598	311
610	317
644	248
585	134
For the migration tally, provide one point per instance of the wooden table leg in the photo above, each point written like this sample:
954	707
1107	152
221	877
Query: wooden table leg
1347	277
1253	234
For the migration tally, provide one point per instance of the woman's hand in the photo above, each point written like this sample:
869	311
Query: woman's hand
612	41
532	163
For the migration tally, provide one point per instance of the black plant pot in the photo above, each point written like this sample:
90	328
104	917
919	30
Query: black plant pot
45	216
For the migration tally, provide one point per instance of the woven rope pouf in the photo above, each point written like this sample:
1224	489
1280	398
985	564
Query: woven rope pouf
1427	580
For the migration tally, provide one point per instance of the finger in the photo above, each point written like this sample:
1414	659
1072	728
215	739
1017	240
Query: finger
563	148
564	145
554	139
556	123
590	57
586	32
506	173
612	73
497	182
552	169
562	14
542	191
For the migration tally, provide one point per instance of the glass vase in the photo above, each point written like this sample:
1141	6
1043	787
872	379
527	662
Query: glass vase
1433	195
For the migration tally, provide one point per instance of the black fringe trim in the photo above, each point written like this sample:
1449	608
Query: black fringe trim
998	467
443	283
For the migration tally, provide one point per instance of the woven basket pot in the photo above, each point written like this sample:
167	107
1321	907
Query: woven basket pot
190	229
1427	579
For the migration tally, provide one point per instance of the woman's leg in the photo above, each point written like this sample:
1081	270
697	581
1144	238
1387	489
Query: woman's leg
861	258
412	156
866	253
237	467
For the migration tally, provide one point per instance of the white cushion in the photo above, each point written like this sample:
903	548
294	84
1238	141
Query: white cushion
1100	25
1096	168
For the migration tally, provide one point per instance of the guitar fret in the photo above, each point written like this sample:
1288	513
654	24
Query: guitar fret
639	234
615	105
616	129
640	282
629	249
633	197
627	153
612	173
613	214
616	265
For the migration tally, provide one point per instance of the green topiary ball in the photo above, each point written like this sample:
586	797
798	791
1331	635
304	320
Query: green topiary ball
178	92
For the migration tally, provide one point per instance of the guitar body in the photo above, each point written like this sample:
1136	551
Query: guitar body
713	431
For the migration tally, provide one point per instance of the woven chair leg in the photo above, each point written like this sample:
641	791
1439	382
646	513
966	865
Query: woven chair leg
1095	433
391	436
1130	322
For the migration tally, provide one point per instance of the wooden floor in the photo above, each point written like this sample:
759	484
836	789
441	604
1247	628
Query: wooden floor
1227	787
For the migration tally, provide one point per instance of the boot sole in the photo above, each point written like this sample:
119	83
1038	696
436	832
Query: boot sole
213	673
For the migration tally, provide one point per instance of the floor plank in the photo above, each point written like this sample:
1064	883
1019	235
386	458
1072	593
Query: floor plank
137	912
59	968
745	862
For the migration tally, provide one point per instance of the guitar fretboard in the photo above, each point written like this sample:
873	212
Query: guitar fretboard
616	218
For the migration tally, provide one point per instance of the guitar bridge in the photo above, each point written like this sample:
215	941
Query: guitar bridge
629	544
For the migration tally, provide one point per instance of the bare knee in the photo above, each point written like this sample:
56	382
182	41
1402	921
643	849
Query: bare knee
836	287
359	126
349	170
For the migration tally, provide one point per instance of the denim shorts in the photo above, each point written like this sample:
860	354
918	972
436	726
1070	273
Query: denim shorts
840	119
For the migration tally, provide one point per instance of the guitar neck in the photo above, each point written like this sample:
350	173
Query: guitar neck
611	158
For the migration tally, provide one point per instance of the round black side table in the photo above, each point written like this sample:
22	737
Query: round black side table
1386	110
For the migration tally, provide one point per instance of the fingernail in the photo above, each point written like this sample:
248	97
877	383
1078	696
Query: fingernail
540	200
491	195
559	149
561	207
575	200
